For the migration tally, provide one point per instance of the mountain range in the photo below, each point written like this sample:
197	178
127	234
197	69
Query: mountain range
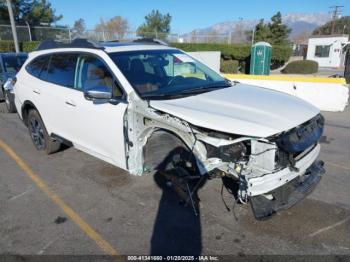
298	22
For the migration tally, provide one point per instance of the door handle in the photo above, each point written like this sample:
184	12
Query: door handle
71	103
36	91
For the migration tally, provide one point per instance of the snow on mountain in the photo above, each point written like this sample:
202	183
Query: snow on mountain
298	22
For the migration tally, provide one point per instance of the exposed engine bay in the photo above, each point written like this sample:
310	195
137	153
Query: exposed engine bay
262	167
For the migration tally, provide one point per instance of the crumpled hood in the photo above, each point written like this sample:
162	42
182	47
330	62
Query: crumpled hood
241	109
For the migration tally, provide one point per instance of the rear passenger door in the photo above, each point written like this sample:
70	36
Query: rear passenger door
96	127
54	93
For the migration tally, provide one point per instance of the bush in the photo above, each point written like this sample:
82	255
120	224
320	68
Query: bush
29	46
301	67
240	52
7	46
229	66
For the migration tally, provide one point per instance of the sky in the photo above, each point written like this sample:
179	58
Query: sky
186	14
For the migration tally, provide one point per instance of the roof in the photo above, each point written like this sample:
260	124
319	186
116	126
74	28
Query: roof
328	36
113	46
262	44
13	54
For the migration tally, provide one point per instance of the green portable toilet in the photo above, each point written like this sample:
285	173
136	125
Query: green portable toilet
260	59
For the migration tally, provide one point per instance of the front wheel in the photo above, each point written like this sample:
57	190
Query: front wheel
9	101
40	138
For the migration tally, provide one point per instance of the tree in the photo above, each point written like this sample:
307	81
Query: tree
279	31
35	12
274	32
341	26
79	27
156	25
117	26
262	32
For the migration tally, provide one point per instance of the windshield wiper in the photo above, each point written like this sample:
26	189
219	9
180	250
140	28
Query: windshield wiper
185	92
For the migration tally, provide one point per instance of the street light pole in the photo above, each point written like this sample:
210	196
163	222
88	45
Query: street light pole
13	26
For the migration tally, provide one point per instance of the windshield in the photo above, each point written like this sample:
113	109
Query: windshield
13	63
166	73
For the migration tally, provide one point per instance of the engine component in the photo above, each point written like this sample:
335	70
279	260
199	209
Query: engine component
228	153
263	155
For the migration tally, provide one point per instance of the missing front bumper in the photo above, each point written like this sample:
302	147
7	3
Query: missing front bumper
288	195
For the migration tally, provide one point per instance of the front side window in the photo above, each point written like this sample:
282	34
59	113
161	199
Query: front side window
91	72
13	63
36	67
61	69
166	73
322	50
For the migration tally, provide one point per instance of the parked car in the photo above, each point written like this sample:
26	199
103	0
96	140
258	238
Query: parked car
10	64
146	107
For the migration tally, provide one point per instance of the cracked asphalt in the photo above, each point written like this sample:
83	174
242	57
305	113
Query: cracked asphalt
138	216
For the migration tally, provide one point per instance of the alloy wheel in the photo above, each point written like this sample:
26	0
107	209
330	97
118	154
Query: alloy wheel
37	134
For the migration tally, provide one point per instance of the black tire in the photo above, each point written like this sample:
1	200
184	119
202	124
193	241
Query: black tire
9	102
40	138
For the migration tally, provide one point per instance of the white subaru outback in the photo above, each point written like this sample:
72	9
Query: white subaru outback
146	107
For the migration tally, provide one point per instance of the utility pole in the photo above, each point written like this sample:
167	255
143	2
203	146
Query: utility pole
336	11
13	25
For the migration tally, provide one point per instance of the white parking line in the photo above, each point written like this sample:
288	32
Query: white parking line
329	227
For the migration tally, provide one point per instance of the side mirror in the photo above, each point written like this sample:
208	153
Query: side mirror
98	92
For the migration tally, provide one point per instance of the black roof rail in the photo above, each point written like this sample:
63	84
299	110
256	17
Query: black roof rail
150	40
76	43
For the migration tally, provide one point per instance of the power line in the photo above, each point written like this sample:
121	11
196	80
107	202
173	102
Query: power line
336	12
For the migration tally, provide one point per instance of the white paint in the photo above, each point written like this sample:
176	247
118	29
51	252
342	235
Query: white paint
263	184
329	227
325	96
209	58
241	109
336	54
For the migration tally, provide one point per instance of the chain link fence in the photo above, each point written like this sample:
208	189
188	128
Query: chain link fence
26	33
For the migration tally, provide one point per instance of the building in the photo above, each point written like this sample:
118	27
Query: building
328	50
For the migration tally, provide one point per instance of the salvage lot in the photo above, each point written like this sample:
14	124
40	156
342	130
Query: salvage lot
118	213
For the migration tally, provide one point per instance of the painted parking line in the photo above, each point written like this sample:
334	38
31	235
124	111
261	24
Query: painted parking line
84	226
337	165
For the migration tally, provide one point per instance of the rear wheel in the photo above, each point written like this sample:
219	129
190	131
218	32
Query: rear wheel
9	101
40	138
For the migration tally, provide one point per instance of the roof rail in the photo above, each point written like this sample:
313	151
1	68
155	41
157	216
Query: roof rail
76	43
150	40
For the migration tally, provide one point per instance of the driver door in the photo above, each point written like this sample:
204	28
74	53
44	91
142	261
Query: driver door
97	126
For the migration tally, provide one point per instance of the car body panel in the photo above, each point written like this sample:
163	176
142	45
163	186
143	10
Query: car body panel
241	109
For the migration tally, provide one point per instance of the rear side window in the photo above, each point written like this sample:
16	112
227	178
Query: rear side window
36	66
61	69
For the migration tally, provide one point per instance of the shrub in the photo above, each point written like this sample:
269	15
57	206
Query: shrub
240	52
29	46
229	66
7	46
301	67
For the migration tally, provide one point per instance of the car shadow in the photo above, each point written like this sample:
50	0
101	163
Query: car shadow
177	229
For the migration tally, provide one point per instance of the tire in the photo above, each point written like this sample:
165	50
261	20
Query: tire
40	138
9	102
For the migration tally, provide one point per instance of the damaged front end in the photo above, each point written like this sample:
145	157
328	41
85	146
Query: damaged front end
273	173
